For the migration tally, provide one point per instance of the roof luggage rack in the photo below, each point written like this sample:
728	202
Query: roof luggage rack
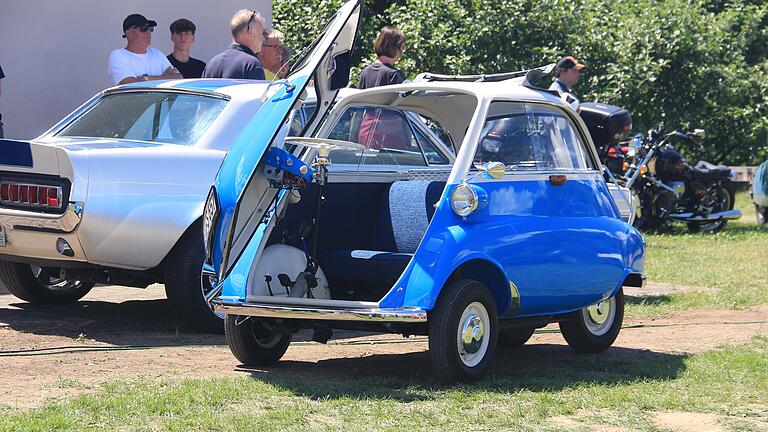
529	74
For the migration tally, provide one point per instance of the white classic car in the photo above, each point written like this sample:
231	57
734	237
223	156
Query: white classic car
114	193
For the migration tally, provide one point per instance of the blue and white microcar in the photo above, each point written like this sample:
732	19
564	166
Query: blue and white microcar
359	223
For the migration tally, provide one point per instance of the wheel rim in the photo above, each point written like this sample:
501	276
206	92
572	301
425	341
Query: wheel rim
599	317
53	283
207	283
716	200
263	338
762	214
473	334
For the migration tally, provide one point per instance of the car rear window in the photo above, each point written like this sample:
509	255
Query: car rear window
164	117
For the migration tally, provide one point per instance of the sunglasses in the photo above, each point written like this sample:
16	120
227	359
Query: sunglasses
250	20
144	28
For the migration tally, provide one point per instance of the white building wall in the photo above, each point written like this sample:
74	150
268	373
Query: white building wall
54	52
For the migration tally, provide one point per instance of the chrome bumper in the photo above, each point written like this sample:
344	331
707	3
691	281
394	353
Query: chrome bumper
64	223
264	310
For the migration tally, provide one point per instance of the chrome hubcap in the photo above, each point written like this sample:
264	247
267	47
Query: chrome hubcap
208	281
599	317
471	340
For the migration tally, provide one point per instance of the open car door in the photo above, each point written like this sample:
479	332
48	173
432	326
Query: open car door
241	191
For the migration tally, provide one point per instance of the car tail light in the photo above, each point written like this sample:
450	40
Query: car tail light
30	195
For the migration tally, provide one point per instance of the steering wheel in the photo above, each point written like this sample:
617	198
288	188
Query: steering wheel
324	146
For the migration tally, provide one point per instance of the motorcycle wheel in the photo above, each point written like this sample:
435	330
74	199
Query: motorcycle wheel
762	214
718	200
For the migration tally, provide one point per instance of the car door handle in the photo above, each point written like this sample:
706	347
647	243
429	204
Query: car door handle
558	180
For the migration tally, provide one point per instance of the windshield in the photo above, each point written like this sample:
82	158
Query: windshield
163	117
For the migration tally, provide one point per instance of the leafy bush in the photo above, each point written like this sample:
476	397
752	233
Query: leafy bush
686	63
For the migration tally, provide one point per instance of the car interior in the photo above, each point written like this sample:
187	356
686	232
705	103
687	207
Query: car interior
378	202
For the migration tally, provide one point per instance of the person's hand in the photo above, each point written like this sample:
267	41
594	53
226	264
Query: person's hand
170	70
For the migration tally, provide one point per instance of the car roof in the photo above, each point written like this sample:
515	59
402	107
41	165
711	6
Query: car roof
233	88
512	89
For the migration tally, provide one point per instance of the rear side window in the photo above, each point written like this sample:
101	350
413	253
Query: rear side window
389	137
531	137
165	117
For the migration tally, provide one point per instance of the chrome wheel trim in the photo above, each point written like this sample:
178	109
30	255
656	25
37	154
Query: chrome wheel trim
207	283
472	334
724	203
55	284
599	317
761	213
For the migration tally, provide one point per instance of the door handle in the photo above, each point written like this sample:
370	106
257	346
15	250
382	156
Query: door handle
558	179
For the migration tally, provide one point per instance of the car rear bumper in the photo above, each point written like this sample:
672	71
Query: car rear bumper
34	235
323	310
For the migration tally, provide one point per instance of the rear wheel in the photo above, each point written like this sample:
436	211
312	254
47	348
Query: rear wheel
252	342
41	285
463	329
188	290
717	199
762	214
595	328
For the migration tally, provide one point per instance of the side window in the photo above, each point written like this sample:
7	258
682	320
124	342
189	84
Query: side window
385	133
531	137
433	156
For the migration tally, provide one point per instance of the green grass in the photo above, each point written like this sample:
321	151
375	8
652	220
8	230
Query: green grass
526	389
731	265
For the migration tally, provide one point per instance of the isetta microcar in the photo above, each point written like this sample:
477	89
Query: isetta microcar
357	224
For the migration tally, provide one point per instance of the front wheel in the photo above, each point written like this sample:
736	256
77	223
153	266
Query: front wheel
715	200
595	328
463	330
762	214
252	342
41	285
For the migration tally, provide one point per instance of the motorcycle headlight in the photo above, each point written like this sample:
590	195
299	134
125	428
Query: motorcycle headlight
209	219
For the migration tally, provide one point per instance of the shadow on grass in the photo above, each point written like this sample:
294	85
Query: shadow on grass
132	322
652	300
408	377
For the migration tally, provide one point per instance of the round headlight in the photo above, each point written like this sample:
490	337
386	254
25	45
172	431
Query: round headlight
464	200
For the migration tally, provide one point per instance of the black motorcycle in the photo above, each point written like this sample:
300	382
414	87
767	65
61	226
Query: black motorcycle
666	188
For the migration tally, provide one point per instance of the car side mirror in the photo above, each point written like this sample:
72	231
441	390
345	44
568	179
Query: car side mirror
493	169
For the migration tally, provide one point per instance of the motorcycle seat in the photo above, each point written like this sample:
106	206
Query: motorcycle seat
707	171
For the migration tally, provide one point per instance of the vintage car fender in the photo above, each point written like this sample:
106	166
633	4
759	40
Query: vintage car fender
760	185
447	247
133	219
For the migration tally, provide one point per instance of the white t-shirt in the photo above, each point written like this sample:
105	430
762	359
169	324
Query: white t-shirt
124	64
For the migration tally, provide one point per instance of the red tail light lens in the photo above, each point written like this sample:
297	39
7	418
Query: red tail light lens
30	195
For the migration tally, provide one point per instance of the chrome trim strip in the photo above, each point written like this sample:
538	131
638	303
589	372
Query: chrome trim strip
66	222
409	315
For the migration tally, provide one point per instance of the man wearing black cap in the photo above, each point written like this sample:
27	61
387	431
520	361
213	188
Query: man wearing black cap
137	61
567	74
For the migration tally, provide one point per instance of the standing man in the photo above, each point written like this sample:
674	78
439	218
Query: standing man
2	75
137	61
239	60
567	73
183	36
271	55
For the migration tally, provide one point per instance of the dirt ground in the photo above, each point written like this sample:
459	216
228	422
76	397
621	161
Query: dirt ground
125	317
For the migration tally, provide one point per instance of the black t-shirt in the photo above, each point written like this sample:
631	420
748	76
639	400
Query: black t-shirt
380	74
237	62
2	75
191	69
